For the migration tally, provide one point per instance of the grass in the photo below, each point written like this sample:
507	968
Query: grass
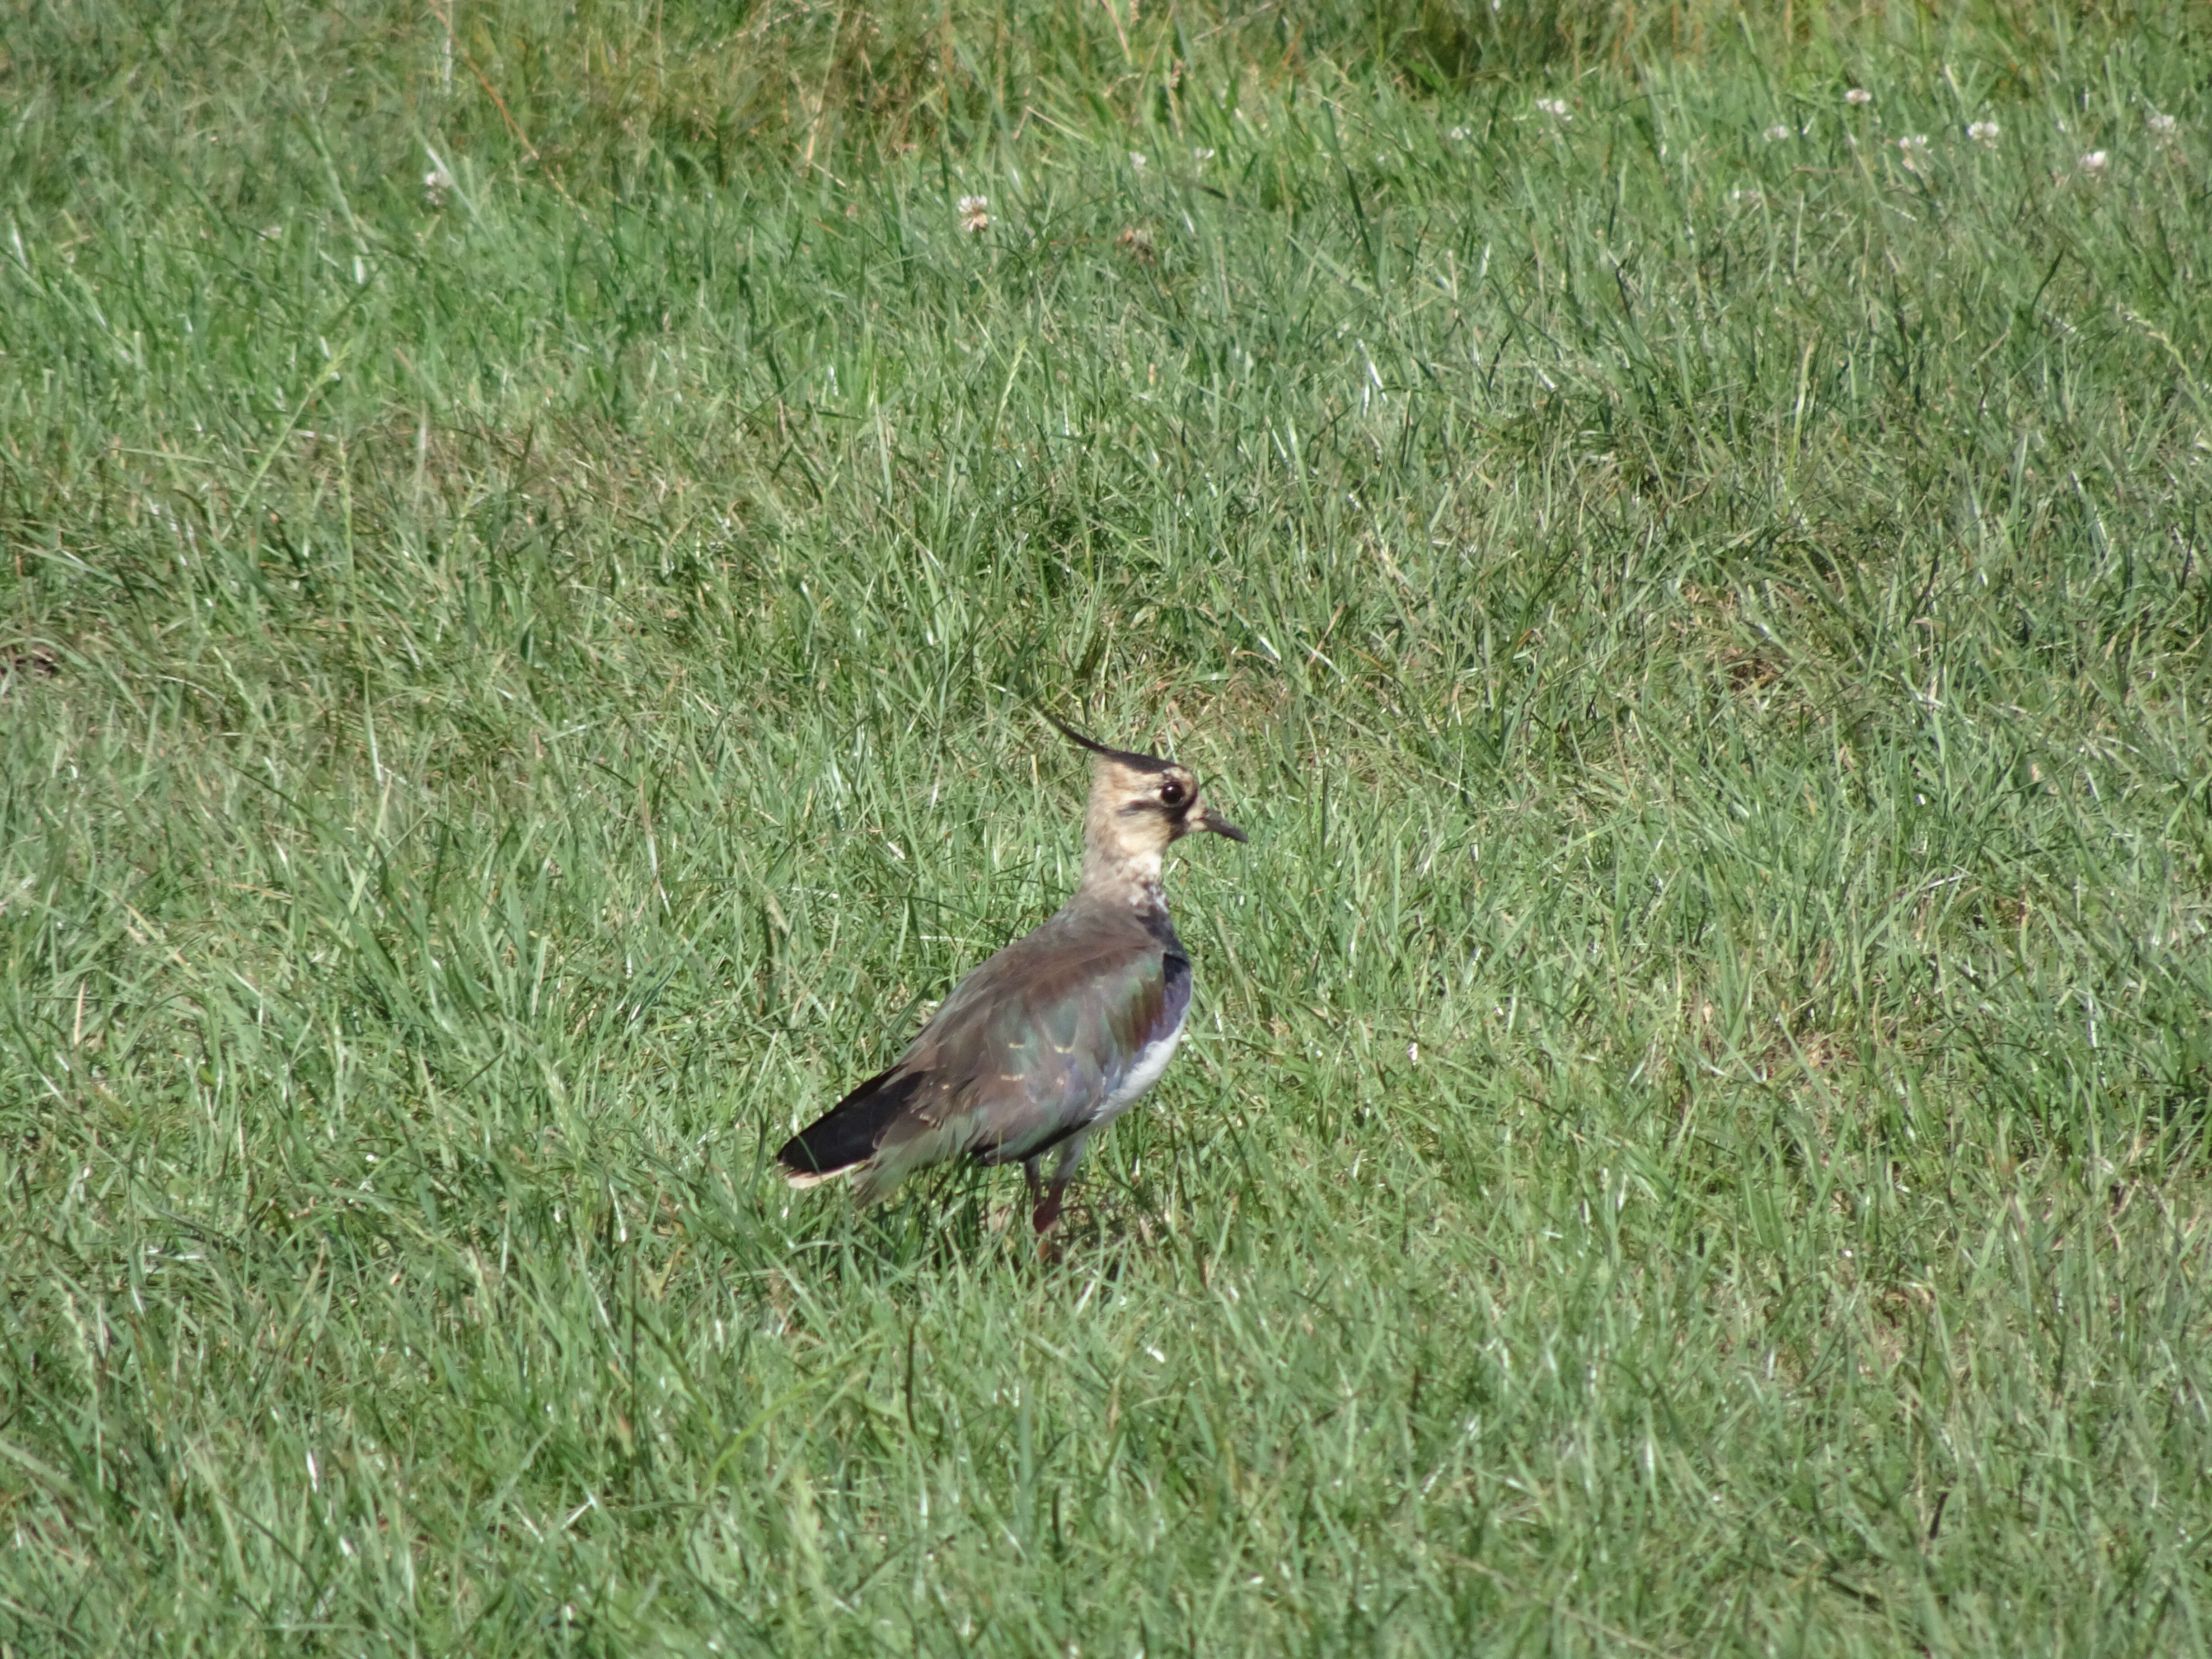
1695	1133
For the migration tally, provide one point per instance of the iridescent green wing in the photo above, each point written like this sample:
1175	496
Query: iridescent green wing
1029	1048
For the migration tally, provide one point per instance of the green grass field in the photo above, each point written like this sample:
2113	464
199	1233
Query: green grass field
516	689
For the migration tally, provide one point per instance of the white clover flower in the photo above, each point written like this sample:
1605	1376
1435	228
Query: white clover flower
1137	159
1457	135
1201	153
435	183
2094	161
1983	132
1556	108
2161	124
1777	133
975	214
1858	96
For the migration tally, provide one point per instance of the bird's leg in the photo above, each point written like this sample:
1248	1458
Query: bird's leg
1037	1185
1063	1170
1047	1210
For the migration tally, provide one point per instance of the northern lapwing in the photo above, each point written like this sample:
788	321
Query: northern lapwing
1054	1037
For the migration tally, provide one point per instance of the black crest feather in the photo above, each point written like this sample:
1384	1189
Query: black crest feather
1126	758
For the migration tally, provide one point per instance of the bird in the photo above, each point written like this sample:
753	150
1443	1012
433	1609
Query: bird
1054	1037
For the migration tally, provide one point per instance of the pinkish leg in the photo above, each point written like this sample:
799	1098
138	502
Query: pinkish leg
1063	1171
1046	1211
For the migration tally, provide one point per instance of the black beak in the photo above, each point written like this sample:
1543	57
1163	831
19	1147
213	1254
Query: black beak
1210	819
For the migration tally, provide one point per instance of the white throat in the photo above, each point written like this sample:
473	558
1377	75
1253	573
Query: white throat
1121	872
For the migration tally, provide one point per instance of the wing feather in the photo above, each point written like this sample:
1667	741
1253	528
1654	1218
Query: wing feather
1024	1053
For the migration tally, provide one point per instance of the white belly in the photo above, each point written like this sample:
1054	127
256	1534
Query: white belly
1151	1061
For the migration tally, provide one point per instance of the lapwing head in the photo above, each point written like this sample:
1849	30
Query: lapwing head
1138	804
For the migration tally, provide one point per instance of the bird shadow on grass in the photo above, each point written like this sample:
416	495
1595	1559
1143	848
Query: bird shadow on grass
965	1220
971	1214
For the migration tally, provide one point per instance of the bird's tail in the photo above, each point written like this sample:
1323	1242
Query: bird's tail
847	1136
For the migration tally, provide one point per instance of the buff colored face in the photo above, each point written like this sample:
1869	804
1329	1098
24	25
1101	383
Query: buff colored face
1141	808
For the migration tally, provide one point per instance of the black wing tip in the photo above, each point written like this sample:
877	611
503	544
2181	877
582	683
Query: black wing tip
848	1133
801	1157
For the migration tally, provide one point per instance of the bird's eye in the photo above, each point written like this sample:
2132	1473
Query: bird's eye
1173	794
